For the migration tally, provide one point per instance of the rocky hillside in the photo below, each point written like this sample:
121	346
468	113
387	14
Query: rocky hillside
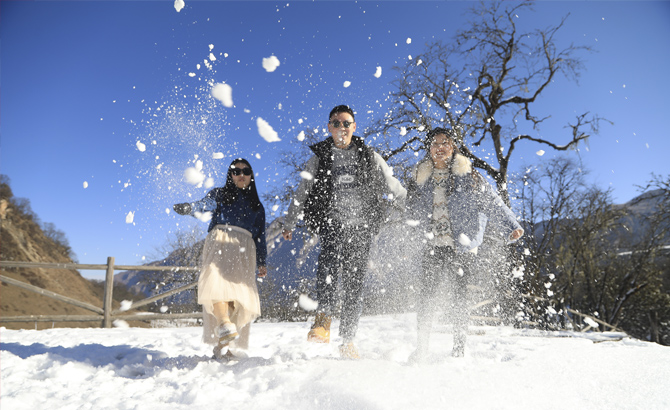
22	239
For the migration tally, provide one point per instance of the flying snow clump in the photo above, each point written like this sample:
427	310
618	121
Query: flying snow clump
540	152
590	322
140	147
347	84
194	176
126	305
409	40
129	217
85	184
301	136
217	155
203	216
306	175
224	93
306	303
270	63
413	222
266	131
178	5
378	73
121	324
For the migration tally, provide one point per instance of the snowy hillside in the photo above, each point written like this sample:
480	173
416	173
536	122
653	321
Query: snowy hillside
169	368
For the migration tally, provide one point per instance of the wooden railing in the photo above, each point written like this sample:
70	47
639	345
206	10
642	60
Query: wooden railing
105	314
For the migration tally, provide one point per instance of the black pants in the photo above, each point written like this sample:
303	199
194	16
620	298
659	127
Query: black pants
346	250
443	270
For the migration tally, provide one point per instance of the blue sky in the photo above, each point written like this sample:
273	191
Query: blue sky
82	82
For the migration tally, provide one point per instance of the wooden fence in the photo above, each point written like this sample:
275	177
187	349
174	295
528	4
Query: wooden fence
105	314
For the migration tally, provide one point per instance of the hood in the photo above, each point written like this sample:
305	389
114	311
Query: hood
460	166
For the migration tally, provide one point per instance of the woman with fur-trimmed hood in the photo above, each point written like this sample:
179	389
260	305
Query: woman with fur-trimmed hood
451	206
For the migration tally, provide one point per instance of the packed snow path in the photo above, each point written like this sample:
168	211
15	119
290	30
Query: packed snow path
169	368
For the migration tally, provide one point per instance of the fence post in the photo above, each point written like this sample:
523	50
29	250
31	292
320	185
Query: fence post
109	288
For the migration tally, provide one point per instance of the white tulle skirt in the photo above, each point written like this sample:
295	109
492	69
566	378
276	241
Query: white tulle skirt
228	274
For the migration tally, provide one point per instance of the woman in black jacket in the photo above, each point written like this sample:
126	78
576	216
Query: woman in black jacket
234	247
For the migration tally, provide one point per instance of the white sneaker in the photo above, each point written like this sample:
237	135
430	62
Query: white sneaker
227	332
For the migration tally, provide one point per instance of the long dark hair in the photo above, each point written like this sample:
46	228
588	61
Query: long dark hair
230	191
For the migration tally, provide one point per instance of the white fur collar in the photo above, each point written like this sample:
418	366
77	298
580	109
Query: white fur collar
424	169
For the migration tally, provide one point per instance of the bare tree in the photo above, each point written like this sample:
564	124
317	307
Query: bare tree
484	83
589	255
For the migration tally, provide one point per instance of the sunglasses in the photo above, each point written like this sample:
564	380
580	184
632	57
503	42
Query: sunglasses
240	171
337	123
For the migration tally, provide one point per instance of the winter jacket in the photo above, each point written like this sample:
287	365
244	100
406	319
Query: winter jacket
238	213
314	196
473	205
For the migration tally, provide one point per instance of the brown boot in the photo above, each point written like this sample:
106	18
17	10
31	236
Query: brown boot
320	331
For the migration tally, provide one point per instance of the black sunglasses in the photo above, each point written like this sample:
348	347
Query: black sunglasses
240	171
337	123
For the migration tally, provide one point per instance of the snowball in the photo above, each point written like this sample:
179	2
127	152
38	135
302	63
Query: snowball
164	309
403	131
275	207
217	155
85	184
378	73
224	93
409	40
306	303
270	64
540	152
129	217
590	322
141	147
122	324
301	136
306	175
212	57
203	216
194	176
464	240
347	84
266	131
126	305
178	5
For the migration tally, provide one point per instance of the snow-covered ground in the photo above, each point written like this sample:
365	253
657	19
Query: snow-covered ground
169	368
